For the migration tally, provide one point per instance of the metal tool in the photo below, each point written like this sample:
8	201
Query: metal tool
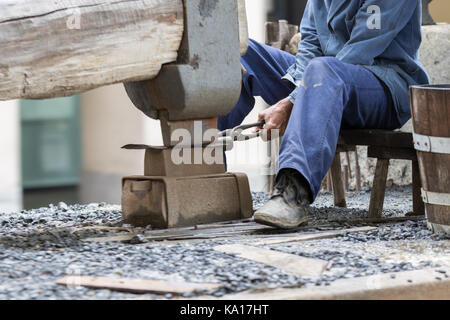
227	137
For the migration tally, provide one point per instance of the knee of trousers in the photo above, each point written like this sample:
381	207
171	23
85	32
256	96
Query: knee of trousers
252	56
321	70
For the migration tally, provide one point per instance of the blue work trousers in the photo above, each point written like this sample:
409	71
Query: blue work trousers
334	96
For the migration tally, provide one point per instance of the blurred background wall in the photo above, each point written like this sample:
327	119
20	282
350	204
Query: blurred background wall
10	170
440	10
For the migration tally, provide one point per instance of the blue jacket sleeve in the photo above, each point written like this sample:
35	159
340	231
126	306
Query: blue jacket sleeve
366	43
309	47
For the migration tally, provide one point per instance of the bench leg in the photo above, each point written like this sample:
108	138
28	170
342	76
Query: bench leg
378	189
338	185
329	182
358	172
418	205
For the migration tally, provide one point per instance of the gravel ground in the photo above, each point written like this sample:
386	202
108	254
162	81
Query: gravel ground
37	247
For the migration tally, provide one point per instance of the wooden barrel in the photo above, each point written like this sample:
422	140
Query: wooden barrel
430	107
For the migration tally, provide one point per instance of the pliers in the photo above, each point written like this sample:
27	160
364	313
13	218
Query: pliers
227	137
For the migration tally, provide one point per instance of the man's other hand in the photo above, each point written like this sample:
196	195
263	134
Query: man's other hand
276	117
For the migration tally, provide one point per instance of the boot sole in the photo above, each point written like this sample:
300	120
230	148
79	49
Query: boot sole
276	223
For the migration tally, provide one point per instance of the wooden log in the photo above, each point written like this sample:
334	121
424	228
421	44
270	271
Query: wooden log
138	286
59	48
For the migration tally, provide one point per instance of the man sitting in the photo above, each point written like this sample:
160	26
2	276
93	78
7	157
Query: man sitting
356	61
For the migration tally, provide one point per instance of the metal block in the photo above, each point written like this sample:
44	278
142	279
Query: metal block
195	128
206	80
158	162
162	161
168	202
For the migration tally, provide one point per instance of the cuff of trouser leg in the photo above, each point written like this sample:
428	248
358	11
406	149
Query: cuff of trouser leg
313	192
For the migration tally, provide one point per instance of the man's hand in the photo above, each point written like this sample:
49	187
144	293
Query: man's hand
276	117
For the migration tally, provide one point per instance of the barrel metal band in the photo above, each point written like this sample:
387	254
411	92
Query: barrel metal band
440	199
431	144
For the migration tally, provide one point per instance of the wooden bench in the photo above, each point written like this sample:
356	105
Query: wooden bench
382	145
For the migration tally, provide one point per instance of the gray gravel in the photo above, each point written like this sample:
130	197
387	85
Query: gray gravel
37	247
350	256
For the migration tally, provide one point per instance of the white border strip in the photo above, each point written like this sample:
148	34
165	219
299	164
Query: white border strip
431	144
441	199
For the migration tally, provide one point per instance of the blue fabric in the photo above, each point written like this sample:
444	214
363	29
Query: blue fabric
339	28
334	94
265	66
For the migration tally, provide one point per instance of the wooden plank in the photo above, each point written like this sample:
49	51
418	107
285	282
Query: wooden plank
381	138
379	220
424	286
378	189
189	233
59	48
284	261
338	185
138	286
313	236
391	153
345	148
226	230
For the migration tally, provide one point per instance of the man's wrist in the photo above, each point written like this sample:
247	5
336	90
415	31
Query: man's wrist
293	95
291	99
287	105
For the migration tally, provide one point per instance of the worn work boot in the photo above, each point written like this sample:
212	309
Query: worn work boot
289	204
